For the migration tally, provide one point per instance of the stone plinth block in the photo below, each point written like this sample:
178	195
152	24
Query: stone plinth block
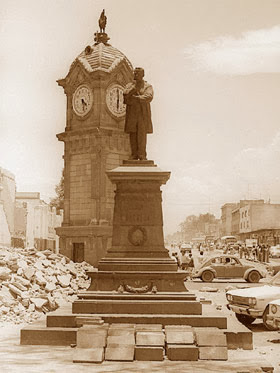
213	353
149	327
210	337
185	328
182	352
121	339
119	353
149	353
176	307
118	325
177	336
82	320
88	355
48	336
132	280
150	339
89	338
121	332
103	295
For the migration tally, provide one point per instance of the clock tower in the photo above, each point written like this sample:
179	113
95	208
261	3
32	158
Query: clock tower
94	143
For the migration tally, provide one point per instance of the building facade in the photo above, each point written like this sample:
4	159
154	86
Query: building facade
260	221
35	222
7	203
226	218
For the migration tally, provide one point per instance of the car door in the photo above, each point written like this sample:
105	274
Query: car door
218	266
234	268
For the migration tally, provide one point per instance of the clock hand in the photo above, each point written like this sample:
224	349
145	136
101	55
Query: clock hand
84	104
118	99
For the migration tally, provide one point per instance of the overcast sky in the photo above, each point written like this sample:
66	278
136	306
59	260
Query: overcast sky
215	69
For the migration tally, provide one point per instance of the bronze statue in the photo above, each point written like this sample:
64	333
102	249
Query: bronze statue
102	21
138	122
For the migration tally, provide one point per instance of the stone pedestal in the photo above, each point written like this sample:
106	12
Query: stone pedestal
138	262
137	242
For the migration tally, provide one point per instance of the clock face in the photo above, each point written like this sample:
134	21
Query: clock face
82	100
114	100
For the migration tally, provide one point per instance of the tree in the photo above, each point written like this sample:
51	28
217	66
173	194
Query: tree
58	200
196	224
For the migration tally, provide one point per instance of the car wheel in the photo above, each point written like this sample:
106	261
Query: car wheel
207	276
245	319
253	276
268	327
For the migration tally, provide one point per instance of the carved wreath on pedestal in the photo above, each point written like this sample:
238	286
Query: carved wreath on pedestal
137	290
137	235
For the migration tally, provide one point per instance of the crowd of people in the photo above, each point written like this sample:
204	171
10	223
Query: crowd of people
259	253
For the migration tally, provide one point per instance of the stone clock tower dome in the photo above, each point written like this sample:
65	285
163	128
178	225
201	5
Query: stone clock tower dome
94	142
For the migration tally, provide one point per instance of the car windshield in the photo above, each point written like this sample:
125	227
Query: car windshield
275	280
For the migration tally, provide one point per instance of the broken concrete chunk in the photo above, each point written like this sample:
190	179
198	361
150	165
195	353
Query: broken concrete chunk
5	273
29	272
22	264
64	280
50	286
39	278
39	302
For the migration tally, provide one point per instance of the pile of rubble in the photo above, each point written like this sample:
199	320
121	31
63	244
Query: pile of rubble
34	282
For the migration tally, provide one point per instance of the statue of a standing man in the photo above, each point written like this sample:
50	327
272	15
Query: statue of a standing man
138	122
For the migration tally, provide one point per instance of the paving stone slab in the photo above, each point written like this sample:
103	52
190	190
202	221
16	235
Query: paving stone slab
150	338
82	320
179	327
148	327
213	353
121	340
91	337
118	325
88	355
119	353
182	352
149	353
122	332
179	337
210	337
95	326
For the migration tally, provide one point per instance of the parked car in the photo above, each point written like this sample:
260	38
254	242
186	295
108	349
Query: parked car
273	316
227	266
274	251
253	303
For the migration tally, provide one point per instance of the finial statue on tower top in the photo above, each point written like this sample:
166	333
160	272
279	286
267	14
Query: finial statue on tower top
102	21
101	37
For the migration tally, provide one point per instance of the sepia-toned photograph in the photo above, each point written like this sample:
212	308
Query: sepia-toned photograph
139	186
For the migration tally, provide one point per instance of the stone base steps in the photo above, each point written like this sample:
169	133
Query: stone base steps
137	306
57	319
61	329
125	296
34	335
